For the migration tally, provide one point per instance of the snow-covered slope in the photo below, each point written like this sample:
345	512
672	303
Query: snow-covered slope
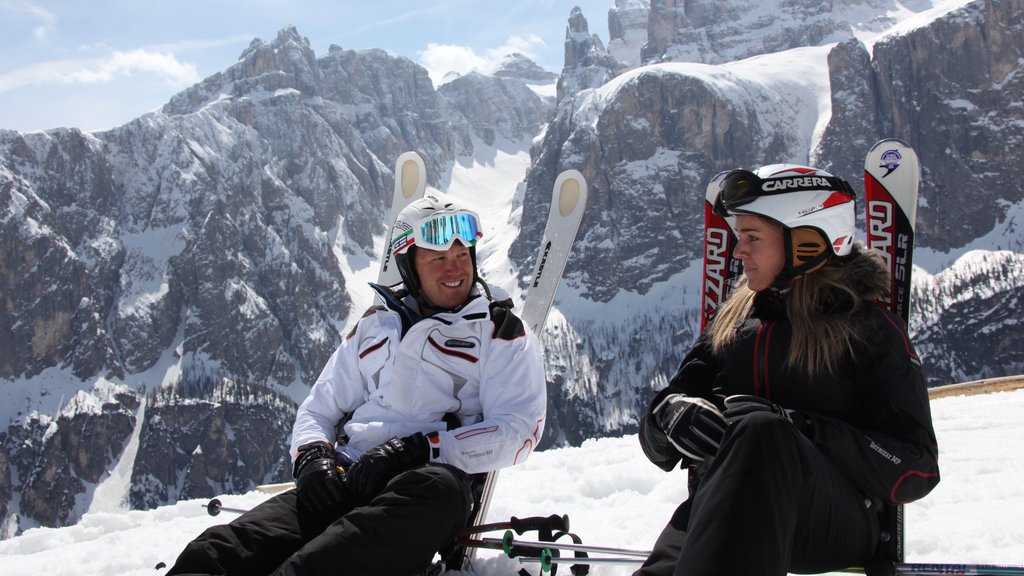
613	497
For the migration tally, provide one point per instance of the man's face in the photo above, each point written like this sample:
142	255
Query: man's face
446	276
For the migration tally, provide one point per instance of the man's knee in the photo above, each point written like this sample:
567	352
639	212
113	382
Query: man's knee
439	483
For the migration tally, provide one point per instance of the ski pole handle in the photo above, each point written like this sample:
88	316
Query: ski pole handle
552	523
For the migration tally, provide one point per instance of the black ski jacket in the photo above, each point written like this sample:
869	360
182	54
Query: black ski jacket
870	417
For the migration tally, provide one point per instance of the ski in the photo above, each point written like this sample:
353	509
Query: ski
892	175
721	268
568	202
546	561
410	184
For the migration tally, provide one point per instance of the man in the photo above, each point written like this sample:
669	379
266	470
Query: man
441	382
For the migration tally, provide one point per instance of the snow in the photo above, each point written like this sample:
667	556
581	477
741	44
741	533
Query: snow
908	20
801	100
111	494
1002	236
613	497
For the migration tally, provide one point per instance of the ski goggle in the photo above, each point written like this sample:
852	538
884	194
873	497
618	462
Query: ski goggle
741	187
440	232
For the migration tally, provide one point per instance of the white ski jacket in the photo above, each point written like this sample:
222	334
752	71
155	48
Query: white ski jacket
480	363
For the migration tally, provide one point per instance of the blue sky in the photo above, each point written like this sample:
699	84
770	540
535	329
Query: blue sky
96	65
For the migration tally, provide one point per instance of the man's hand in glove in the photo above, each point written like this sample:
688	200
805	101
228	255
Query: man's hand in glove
693	425
318	482
742	405
378	465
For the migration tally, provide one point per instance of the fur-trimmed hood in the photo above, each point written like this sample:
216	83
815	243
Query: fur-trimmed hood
865	272
862	271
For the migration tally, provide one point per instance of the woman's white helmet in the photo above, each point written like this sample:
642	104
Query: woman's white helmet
434	222
817	210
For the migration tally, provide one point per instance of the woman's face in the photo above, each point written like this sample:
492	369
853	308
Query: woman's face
761	250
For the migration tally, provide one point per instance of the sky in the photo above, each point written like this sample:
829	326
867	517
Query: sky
613	497
97	65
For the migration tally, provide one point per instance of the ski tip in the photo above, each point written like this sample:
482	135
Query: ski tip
410	175
893	159
571	192
889	143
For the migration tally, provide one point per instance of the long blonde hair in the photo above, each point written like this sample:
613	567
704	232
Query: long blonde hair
818	306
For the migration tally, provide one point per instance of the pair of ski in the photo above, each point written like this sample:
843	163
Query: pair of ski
892	174
568	201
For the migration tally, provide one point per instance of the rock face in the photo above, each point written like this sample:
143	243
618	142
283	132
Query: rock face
49	462
716	31
587	63
173	286
627	31
648	141
211	236
228	443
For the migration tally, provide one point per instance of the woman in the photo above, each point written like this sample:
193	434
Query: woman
802	409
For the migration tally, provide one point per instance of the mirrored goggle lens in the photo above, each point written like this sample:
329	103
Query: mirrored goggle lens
443	230
739	187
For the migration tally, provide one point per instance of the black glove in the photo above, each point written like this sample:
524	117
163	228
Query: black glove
320	489
693	425
378	465
742	405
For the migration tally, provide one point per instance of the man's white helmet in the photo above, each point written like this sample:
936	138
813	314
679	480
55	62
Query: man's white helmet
435	222
817	210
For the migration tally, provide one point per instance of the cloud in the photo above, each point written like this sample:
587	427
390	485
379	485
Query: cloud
33	10
518	44
100	71
47	20
442	59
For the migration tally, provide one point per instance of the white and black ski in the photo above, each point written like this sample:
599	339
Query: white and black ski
721	267
410	184
892	175
568	202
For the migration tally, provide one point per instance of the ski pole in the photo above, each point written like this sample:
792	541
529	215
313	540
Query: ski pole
214	507
546	560
509	543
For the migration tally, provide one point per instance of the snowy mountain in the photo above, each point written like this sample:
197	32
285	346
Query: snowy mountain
173	286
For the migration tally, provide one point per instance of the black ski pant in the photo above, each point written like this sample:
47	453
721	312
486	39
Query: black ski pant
770	503
419	512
